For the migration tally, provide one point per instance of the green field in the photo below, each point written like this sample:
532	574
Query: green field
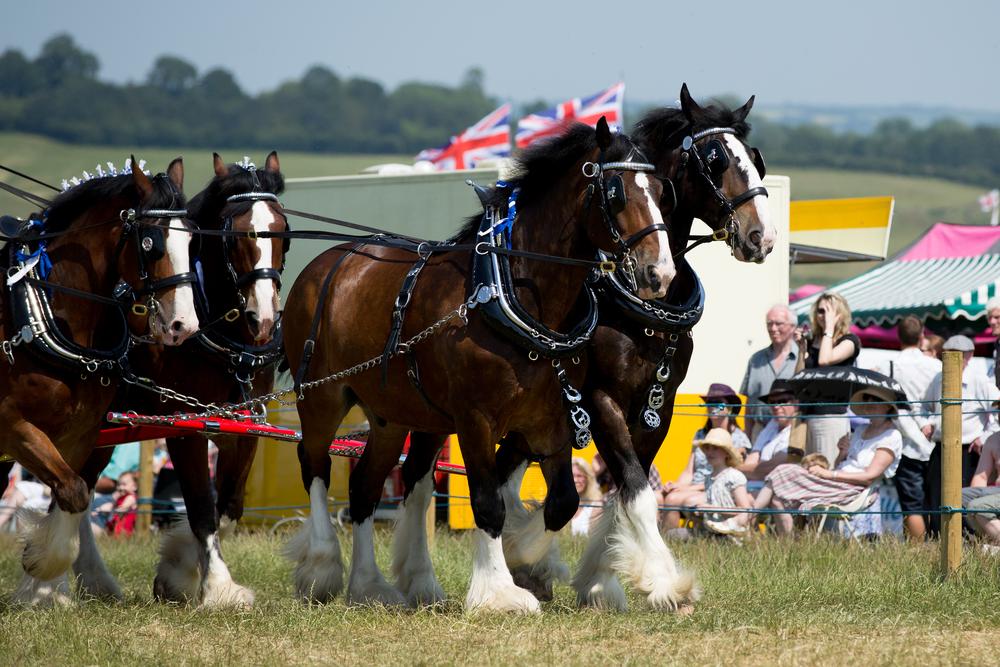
919	201
770	601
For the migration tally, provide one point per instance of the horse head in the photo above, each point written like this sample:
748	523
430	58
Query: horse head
248	204
632	226
158	266
718	176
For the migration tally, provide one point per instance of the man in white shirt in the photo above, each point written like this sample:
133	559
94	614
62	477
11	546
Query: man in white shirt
915	371
978	421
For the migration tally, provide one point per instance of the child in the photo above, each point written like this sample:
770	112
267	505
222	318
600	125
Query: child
726	488
815	459
122	519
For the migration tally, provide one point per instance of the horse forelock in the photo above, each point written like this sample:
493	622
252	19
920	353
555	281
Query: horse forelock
207	206
663	129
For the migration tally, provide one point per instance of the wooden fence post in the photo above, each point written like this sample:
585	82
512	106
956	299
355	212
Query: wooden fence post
145	518
951	461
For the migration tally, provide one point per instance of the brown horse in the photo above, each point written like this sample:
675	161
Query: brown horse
118	239
238	305
640	355
578	193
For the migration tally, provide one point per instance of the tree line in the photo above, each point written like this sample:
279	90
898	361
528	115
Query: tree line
57	94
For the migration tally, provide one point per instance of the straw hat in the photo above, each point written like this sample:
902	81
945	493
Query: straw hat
720	437
884	394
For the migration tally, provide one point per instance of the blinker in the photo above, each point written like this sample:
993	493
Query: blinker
716	158
615	189
758	161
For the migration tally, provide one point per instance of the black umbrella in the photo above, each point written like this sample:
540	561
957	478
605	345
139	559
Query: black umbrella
838	383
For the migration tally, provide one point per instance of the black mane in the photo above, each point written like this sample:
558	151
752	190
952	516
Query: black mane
539	167
208	204
71	204
664	129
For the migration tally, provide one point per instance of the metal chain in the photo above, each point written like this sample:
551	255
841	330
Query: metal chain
229	411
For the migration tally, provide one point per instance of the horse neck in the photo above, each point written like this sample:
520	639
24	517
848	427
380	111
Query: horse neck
85	260
549	290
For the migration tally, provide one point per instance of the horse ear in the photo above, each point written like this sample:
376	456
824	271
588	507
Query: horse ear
603	134
141	181
744	110
221	170
176	173
688	105
271	162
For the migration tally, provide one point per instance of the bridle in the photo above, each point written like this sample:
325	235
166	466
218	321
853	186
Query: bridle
613	202
241	280
704	164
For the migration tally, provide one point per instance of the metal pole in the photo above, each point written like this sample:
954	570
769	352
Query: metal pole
145	518
951	461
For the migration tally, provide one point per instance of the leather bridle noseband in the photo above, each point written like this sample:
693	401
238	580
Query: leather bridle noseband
253	275
729	231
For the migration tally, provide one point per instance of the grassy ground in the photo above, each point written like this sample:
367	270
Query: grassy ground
767	602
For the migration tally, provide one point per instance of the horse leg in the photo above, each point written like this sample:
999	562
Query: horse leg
530	547
411	557
491	587
366	584
627	538
315	549
92	576
232	469
196	541
51	541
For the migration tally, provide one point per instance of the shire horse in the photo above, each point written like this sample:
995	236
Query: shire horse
639	356
115	243
238	304
579	192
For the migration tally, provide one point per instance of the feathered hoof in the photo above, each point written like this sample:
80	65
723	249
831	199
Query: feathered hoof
34	592
228	596
506	599
540	586
374	593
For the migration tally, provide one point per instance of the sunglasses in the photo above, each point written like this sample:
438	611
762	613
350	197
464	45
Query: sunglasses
871	398
717	409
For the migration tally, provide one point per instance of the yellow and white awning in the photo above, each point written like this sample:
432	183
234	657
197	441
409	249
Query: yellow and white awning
840	230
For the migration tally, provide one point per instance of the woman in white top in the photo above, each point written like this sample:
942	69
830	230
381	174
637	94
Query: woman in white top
590	497
870	453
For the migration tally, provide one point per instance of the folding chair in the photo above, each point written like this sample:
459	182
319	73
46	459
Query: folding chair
843	512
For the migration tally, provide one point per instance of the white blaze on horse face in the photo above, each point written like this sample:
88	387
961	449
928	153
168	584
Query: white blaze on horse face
263	301
662	265
747	167
179	319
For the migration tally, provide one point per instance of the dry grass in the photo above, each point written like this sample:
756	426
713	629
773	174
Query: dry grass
767	602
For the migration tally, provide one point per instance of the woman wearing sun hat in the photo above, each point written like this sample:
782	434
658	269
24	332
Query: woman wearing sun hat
869	453
723	406
726	488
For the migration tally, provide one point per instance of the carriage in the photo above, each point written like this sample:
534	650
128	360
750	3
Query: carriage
506	345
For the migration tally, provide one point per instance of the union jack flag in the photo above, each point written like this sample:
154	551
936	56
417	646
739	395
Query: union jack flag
607	103
487	139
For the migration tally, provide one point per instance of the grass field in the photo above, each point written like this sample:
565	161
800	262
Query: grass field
919	201
768	602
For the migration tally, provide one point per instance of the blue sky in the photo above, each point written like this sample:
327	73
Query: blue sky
845	53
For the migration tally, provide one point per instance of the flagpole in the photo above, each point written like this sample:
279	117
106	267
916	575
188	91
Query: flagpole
995	216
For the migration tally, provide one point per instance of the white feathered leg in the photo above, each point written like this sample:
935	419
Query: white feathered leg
367	585
491	587
595	582
51	541
638	552
319	570
178	573
218	588
92	575
411	557
38	593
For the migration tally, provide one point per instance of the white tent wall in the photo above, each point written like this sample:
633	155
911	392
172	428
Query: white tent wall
737	297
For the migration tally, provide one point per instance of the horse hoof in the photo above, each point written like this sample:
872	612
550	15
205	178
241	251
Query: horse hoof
231	596
508	599
606	595
165	591
374	594
423	590
38	593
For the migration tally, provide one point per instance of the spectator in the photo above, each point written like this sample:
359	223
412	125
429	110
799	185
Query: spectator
932	345
832	344
124	507
777	360
915	371
978	422
723	405
993	319
771	447
590	497
983	493
726	487
23	490
125	458
864	457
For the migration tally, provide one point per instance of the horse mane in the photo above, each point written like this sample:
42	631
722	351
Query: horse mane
71	204
208	204
664	128
539	167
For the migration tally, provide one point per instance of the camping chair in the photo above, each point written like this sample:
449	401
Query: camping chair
843	512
